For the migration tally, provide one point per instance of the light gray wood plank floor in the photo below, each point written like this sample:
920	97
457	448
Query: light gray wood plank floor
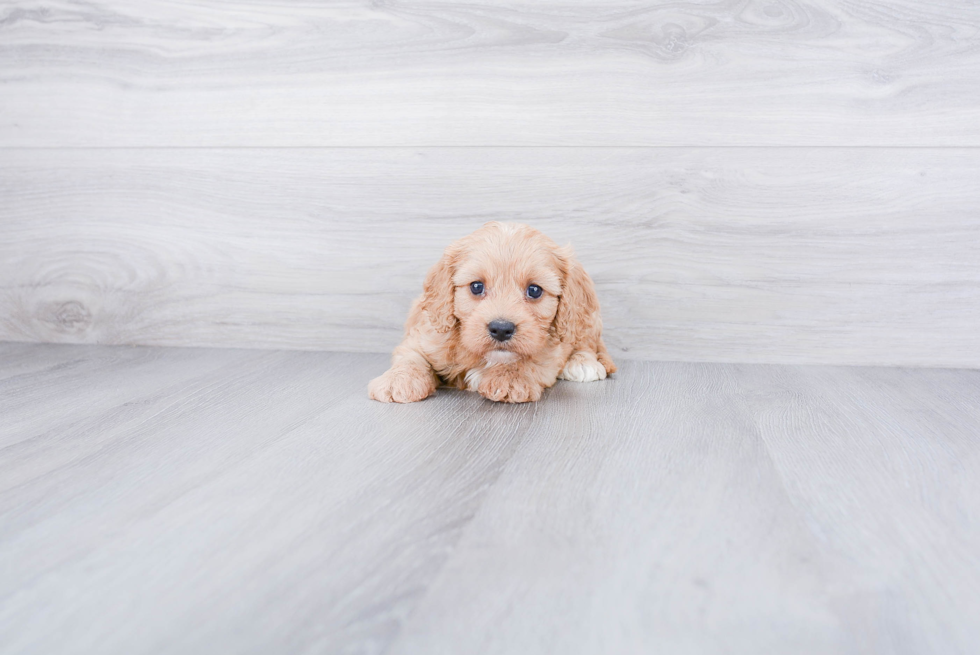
158	500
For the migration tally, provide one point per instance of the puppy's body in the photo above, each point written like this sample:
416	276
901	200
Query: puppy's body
535	319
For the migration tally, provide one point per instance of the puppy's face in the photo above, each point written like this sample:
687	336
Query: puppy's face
507	280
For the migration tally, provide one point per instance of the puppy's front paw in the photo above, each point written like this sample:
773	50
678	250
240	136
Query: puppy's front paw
402	384
583	366
508	387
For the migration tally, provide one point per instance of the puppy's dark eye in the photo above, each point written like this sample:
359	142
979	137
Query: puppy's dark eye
476	288
534	291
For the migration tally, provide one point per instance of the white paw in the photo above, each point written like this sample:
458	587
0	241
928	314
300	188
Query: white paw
473	378
583	367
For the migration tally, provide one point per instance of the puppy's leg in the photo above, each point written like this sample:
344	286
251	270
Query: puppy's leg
603	356
509	384
584	366
520	382
409	379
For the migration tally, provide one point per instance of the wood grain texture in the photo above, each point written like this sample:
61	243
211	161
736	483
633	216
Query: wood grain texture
738	509
254	498
254	501
732	72
811	255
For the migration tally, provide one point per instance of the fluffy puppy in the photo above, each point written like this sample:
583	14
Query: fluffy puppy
505	313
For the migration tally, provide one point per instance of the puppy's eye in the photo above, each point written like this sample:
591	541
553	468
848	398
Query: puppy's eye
534	291
476	288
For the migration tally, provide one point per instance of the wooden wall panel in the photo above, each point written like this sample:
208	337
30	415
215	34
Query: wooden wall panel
805	255
263	73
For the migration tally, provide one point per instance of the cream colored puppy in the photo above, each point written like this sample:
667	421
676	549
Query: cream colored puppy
505	313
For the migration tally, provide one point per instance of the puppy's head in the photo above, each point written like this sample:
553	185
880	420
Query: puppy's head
508	291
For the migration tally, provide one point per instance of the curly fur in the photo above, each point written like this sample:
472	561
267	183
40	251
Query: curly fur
558	335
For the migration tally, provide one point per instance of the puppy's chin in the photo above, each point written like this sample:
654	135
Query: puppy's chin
495	357
492	353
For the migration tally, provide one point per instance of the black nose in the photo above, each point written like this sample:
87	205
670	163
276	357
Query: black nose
501	330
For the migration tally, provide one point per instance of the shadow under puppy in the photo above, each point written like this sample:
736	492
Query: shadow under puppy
505	313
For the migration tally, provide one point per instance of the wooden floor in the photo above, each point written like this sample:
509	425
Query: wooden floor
225	501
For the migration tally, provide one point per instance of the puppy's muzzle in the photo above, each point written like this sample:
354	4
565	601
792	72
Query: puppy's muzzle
501	330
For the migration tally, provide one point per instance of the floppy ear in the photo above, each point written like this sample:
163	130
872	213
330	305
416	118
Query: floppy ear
577	321
438	292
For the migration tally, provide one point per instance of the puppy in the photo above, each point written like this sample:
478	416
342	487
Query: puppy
505	313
